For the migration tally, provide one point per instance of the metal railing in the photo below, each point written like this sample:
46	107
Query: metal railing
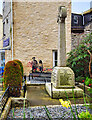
7	94
4	100
24	86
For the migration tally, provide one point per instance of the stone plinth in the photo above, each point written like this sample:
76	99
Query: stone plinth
60	93
63	77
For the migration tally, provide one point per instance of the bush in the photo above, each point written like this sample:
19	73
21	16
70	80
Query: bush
85	115
79	58
79	79
21	66
88	81
13	78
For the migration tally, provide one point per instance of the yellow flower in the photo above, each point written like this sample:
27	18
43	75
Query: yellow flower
61	101
65	103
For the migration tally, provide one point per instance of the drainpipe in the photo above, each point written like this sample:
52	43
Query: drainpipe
83	18
12	28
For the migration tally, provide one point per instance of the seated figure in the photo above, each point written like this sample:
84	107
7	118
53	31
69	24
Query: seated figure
40	65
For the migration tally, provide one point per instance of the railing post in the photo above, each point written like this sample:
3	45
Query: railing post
29	76
32	75
24	90
25	77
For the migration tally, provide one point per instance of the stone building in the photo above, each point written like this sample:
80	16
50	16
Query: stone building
34	32
81	25
1	30
2	52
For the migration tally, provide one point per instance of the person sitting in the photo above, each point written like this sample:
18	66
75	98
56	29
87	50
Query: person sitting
34	65
40	65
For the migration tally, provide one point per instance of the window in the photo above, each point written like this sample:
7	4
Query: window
55	58
2	58
76	19
3	4
90	17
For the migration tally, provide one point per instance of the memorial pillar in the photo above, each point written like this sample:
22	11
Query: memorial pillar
61	37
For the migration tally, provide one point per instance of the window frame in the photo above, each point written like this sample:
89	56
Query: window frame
75	18
54	58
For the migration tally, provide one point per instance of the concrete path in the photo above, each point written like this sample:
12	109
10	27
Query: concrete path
37	96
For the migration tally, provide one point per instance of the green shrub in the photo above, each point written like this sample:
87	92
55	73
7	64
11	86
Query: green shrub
90	90
21	65
79	57
79	79
88	81
1	80
13	78
85	115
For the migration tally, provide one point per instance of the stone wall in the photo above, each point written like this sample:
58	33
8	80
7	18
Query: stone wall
1	32
78	37
36	31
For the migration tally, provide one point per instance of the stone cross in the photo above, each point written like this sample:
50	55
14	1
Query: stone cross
61	40
62	77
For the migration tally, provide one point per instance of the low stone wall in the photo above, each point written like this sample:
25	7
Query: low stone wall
14	102
81	85
6	110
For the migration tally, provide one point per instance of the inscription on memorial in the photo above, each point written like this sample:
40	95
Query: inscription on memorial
62	76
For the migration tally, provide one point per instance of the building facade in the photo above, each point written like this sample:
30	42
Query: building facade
1	31
77	23
2	52
31	30
80	21
81	25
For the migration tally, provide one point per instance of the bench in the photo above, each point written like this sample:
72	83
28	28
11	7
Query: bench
44	76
